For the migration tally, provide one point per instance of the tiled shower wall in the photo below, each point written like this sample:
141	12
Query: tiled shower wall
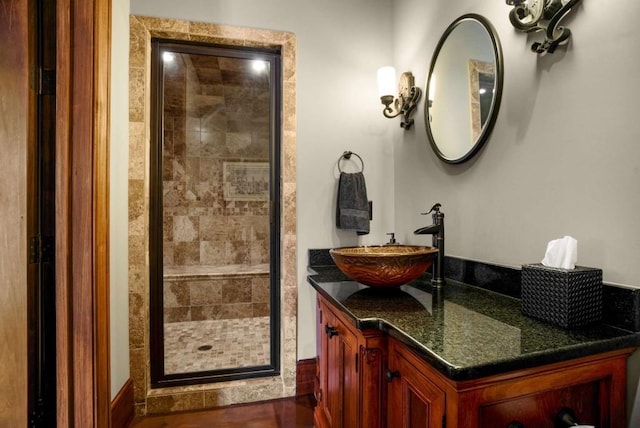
216	110
148	400
214	297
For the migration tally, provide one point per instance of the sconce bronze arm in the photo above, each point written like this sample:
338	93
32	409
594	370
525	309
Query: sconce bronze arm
542	15
405	103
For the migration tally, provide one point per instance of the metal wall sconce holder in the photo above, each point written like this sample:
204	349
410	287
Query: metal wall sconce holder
406	102
542	15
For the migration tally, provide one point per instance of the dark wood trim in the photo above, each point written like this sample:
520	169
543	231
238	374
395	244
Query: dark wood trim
122	407
306	376
82	223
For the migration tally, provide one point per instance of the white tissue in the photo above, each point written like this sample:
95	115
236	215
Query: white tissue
561	253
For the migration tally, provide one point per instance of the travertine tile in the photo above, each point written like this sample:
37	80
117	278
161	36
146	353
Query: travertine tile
140	409
236	291
207	292
137	43
136	323
187	253
157	24
236	310
290	298
176	293
137	280
175	402
254	391
137	367
186	229
137	142
261	309
216	344
175	315
136	200
289	208
260	290
213	253
137	251
209	312
137	94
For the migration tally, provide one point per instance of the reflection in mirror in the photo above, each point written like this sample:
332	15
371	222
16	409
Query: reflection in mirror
481	87
213	229
467	70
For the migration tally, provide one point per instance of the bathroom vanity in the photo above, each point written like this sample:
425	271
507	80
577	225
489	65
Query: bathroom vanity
458	357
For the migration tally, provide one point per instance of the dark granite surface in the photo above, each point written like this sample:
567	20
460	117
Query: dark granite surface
465	332
501	279
621	306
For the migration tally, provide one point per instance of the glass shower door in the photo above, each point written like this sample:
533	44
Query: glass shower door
214	282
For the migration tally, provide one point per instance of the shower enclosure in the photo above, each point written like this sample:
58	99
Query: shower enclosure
215	220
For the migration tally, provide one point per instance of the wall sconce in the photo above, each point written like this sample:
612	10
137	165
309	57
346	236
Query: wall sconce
408	95
542	15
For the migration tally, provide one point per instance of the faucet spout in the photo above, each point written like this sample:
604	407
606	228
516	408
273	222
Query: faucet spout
428	230
437	230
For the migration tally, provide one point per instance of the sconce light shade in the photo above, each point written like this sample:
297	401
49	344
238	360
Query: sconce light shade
408	95
386	81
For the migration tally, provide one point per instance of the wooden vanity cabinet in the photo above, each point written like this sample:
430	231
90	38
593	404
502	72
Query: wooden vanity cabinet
420	396
366	379
351	364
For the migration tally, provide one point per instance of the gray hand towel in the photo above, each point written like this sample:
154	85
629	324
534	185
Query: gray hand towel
353	206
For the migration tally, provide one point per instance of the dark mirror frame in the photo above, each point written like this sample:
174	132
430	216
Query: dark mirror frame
159	379
495	105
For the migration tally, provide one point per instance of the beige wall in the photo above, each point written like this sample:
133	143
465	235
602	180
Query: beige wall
118	203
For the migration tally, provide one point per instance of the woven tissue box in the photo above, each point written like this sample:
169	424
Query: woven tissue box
564	297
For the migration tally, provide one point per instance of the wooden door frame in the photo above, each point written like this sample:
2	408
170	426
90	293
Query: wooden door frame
82	212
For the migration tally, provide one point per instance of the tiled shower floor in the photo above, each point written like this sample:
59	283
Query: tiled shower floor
240	342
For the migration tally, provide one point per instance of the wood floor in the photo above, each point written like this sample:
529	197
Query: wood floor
295	412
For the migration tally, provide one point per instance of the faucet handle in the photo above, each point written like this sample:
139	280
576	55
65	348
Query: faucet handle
392	240
435	208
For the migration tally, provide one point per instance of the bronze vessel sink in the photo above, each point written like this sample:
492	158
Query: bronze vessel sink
383	265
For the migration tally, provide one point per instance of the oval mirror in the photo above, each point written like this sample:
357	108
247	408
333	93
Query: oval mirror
464	88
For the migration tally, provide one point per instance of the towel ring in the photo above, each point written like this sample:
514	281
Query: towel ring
347	155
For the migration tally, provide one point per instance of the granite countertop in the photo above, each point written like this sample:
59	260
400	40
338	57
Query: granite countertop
464	332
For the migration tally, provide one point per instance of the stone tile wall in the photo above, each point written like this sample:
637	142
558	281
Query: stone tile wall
212	297
216	110
148	400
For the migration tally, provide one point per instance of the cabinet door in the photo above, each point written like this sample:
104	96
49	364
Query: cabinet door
413	400
342	382
322	416
338	372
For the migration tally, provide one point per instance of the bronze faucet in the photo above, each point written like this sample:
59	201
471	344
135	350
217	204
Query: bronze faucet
437	230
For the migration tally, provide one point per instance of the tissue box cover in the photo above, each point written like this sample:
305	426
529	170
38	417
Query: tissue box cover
564	297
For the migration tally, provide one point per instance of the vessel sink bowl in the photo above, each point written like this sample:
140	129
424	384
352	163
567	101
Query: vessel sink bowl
384	265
